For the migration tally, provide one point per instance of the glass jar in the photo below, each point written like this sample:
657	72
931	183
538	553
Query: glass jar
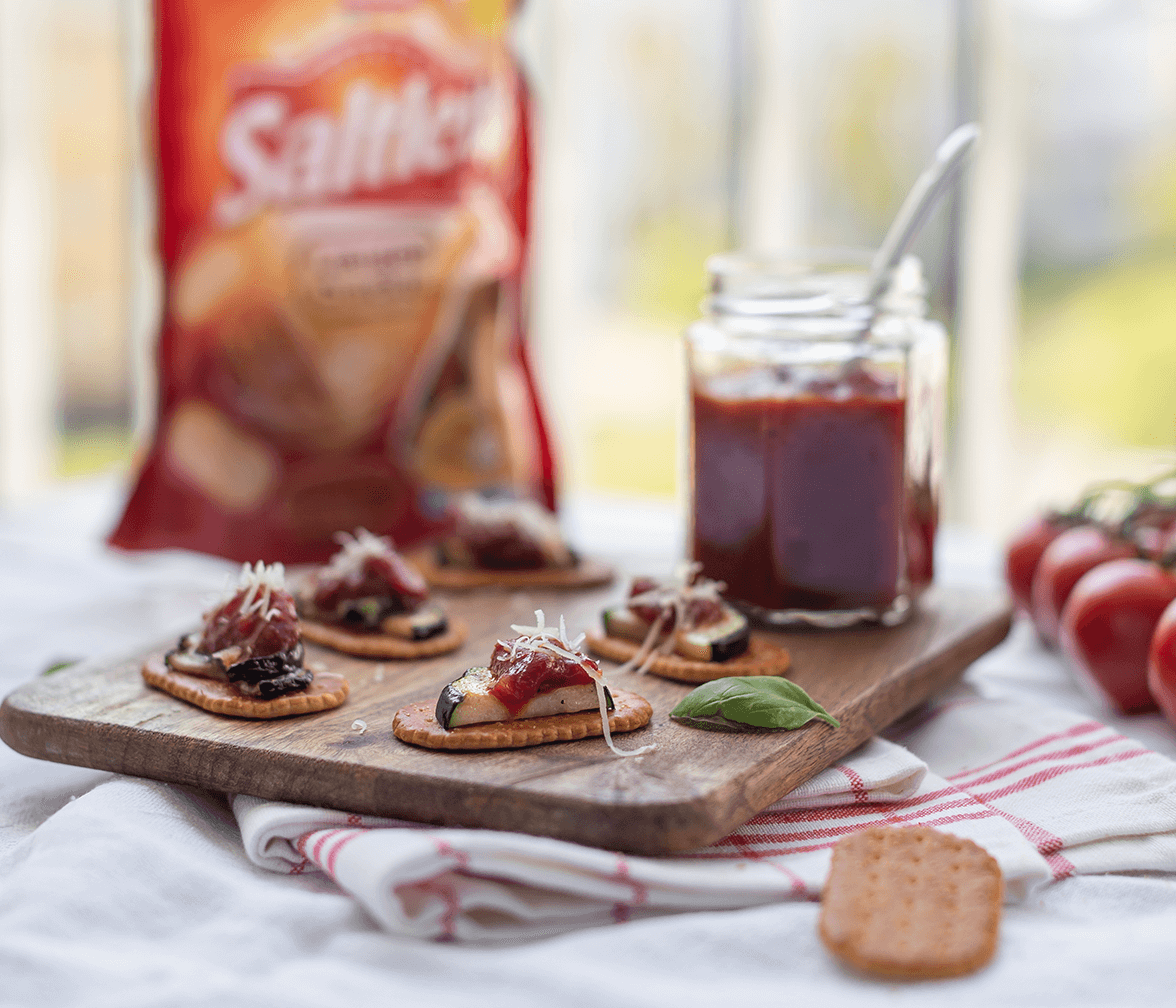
816	438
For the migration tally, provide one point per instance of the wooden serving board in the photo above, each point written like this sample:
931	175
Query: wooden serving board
694	789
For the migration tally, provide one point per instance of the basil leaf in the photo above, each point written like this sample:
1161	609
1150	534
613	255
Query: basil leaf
59	665
763	702
716	722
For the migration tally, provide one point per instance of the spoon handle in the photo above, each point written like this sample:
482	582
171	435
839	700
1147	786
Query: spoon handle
924	194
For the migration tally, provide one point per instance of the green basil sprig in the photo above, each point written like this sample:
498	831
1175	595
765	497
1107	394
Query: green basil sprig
749	704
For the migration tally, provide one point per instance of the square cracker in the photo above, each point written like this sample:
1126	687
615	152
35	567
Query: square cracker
911	903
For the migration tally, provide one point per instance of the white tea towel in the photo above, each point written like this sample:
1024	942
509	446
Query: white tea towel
1048	793
1089	799
484	884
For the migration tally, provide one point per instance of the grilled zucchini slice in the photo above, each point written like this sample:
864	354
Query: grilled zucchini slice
715	642
467	700
428	621
623	622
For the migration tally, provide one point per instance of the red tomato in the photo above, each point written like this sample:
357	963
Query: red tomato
1161	663
1024	552
1064	561
1107	626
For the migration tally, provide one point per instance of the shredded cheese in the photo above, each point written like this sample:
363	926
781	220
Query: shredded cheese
355	549
673	597
529	518
544	638
259	582
358	726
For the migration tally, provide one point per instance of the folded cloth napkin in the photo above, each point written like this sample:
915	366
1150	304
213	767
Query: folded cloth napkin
1047	792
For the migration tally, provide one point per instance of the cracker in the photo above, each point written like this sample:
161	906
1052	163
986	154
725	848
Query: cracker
911	903
761	658
327	690
416	724
587	573
376	645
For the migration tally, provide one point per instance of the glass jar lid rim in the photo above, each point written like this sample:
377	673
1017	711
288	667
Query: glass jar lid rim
816	282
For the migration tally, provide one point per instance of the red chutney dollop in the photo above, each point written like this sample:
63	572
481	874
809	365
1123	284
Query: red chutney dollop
263	620
533	671
381	575
501	546
700	612
510	534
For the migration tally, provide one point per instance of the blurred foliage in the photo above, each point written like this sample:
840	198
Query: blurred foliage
1099	344
1154	198
92	450
1102	354
862	160
668	276
628	457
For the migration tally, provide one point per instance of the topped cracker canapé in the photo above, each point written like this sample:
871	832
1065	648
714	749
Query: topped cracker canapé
683	629
369	601
537	688
247	659
506	542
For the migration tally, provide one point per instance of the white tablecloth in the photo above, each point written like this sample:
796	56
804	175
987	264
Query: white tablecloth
92	913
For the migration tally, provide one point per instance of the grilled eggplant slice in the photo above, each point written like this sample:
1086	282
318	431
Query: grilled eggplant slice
428	621
265	677
728	638
362	613
468	700
623	622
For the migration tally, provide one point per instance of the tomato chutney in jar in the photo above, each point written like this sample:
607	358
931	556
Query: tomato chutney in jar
816	431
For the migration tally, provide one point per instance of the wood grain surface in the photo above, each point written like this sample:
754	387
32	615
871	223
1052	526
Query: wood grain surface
692	790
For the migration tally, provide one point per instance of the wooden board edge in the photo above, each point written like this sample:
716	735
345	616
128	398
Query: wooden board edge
921	682
674	826
209	765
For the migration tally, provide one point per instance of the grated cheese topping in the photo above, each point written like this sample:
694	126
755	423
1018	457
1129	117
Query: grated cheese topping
555	641
355	549
259	582
258	586
674	597
526	515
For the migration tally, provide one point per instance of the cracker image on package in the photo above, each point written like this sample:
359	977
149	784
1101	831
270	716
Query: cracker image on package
343	229
912	903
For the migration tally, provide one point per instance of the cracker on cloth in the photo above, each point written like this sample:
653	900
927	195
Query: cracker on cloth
588	573
416	724
377	645
912	903
327	690
761	658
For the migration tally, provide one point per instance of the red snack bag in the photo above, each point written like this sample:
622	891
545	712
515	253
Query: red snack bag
343	190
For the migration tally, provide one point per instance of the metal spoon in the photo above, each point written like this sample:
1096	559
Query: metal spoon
924	194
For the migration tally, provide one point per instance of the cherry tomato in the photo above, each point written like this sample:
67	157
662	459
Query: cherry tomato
1161	663
1107	627
1024	552
1064	561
